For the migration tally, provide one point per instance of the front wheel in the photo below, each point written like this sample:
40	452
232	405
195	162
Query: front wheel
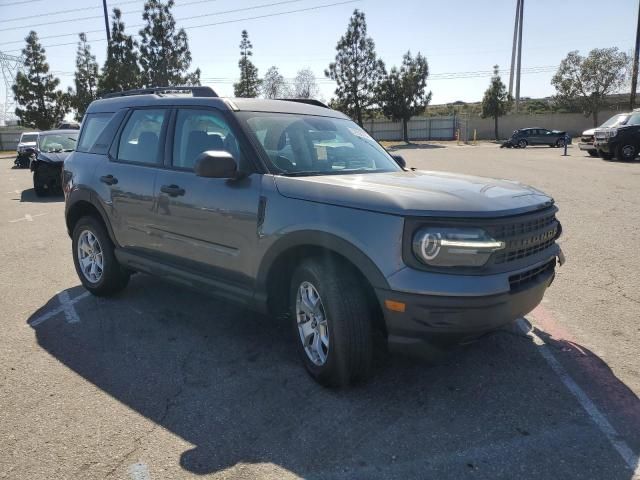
94	259
39	184
560	143
593	153
332	324
522	143
626	152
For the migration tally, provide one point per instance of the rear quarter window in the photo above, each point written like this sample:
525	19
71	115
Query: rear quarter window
92	126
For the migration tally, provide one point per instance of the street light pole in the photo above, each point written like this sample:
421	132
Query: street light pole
634	72
106	21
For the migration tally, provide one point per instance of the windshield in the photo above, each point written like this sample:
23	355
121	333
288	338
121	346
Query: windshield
58	142
29	138
311	145
615	120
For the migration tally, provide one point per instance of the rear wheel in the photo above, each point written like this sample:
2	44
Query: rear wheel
332	324
94	259
593	153
626	152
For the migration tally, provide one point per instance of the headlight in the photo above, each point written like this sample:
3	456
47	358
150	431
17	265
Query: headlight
613	132
454	247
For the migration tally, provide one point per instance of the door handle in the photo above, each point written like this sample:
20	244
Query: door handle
109	179
172	190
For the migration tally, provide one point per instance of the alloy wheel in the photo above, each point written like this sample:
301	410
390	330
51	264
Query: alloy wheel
90	257
312	323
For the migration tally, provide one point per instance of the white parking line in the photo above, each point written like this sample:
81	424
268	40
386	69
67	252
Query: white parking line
139	471
66	306
27	217
630	458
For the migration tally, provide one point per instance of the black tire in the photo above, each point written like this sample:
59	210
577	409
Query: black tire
559	143
522	143
626	152
113	278
605	155
593	153
39	185
348	315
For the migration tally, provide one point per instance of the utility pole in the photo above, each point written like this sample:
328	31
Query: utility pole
519	55
106	21
634	71
513	49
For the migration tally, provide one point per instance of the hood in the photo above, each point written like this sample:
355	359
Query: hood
53	157
417	193
589	132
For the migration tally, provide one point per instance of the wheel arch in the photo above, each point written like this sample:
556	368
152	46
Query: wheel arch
79	204
278	264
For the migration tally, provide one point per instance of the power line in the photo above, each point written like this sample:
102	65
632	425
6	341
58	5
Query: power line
18	3
317	7
266	5
61	12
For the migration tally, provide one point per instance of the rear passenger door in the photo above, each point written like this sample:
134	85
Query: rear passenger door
127	180
208	225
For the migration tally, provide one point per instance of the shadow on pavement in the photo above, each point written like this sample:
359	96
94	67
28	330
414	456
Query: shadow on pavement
414	146
29	196
228	381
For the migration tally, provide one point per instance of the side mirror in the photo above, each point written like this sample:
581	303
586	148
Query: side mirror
400	160
216	164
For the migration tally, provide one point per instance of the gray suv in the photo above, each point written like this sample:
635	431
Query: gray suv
291	208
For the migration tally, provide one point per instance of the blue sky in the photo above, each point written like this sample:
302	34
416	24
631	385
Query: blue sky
460	36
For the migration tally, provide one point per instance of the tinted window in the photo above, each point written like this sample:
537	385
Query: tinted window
198	131
140	139
92	126
634	119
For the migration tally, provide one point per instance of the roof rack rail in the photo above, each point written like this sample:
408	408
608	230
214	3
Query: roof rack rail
308	101
195	91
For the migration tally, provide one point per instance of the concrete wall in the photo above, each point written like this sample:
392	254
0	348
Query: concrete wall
419	128
573	123
9	139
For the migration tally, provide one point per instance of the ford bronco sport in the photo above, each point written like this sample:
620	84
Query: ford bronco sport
290	207
621	139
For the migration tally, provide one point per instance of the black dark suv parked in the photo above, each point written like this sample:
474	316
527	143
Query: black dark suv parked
621	140
292	208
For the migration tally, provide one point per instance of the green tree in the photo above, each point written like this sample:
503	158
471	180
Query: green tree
356	69
403	92
496	101
304	85
121	70
40	104
249	84
586	81
86	78
164	50
274	85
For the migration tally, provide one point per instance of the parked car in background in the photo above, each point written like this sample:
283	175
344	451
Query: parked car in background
292	208
26	148
587	140
620	140
524	137
68	126
53	148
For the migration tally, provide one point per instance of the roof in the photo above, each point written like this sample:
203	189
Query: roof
229	104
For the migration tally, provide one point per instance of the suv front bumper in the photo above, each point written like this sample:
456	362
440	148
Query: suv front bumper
447	320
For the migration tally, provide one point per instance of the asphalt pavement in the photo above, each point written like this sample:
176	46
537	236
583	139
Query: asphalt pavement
161	382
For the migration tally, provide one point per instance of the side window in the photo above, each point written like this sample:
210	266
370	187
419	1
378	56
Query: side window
634	119
92	127
140	138
198	131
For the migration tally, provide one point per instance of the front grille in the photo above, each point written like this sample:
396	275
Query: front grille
526	237
601	134
587	139
520	281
